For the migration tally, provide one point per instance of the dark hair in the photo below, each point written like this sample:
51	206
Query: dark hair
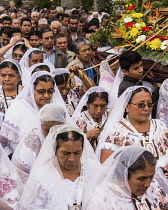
112	60
25	19
140	89
60	79
42	68
44	30
146	158
5	30
59	35
43	78
101	95
73	17
21	47
9	64
37	52
64	16
90	23
128	58
58	15
34	33
14	30
75	12
7	18
81	20
64	137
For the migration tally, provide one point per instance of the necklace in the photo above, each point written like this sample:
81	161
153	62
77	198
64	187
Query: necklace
12	97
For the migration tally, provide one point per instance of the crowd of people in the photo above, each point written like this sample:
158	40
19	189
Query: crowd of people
79	128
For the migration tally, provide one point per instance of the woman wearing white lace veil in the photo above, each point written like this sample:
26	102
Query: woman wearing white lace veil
72	94
92	121
61	172
11	186
130	124
21	116
31	57
107	73
162	106
28	148
126	182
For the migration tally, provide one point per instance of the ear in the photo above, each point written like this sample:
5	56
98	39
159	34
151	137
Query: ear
127	108
125	71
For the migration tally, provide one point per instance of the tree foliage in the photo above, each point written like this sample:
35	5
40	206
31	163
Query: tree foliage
105	6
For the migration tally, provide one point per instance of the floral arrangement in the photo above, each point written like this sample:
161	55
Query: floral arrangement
135	27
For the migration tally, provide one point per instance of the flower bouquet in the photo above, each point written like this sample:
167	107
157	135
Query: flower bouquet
137	25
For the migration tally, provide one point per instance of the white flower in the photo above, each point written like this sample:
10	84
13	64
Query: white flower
128	19
164	44
141	38
137	25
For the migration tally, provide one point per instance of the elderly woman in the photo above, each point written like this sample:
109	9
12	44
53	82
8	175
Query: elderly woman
62	170
10	76
94	118
21	115
11	186
71	89
126	182
28	148
162	106
135	127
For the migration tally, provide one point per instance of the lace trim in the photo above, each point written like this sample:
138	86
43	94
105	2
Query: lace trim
6	185
32	140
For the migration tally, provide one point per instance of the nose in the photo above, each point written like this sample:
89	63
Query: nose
71	158
46	95
6	78
147	182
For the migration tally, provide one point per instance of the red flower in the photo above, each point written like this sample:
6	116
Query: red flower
129	25
131	7
155	37
163	38
119	16
146	29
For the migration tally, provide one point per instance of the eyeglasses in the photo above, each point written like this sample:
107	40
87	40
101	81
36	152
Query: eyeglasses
142	105
17	55
44	91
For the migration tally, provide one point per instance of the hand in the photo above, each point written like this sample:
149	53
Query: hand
27	44
93	133
15	40
74	69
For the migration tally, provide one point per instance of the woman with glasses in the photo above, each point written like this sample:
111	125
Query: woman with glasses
91	121
10	76
130	124
21	116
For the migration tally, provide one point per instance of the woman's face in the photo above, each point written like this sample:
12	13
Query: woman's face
69	154
139	114
17	55
9	78
63	90
97	108
43	93
140	180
